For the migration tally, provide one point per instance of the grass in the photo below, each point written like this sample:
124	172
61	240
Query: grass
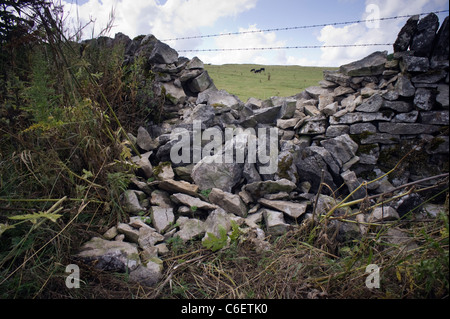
284	80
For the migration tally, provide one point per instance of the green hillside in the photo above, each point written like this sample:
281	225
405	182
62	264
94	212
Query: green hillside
277	80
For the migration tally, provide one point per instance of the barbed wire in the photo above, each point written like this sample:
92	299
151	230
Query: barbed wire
300	27
290	47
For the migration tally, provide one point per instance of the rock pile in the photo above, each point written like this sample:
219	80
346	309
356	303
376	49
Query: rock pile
351	128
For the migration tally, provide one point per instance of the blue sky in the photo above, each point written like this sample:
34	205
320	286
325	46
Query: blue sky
168	19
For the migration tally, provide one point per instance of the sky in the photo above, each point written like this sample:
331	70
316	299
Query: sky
169	19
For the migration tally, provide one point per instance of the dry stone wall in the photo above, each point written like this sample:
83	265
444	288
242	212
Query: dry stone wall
354	126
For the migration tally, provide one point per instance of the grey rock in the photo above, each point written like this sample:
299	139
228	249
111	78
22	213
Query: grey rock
385	213
194	63
371	105
423	99
192	201
422	42
356	117
337	77
351	180
288	108
144	140
161	199
162	218
162	53
275	223
316	91
231	203
441	46
435	117
407	128
110	255
443	96
200	83
429	77
382	138
218	98
267	115
189	228
144	163
216	220
410	117
313	127
369	155
414	64
174	94
342	148
337	130
291	209
406	34
404	86
148	274
373	64
130	202
250	173
398	106
179	187
360	128
259	189
208	175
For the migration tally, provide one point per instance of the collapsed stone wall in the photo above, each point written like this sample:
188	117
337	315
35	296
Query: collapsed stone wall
351	128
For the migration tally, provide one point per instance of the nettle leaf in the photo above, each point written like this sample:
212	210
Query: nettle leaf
216	243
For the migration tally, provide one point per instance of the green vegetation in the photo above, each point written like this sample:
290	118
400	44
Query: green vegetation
277	80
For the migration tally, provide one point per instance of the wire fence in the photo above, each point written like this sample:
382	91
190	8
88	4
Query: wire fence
296	28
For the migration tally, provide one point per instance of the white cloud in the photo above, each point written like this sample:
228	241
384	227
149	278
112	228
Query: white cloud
174	18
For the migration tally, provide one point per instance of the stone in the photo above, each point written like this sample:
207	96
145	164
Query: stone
218	98
441	47
382	138
291	209
189	228
398	106
143	162
192	201
384	213
259	189
342	148
148	274
369	154
316	91
310	166
360	128
231	203
330	109
332	164
200	83
162	218
373	64
404	86
148	237
250	173
356	117
337	77
110	233
194	63
407	128
351	180
130	202
201	112
174	94
422	42
108	255
286	124
288	108
184	172
342	90
337	130
164	171
161	199
410	117
371	105
163	54
216	220
144	140
267	115
414	64
406	34
179	187
429	77
435	117
312	127
131	233
275	223
207	174
311	110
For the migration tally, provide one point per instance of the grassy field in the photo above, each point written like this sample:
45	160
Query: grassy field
277	80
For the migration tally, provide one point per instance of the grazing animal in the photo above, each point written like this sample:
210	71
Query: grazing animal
252	70
257	71
262	69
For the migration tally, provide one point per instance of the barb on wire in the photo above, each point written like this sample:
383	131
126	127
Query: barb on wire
300	27
290	47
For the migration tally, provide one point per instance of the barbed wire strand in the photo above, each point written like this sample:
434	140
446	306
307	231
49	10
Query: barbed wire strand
300	27
290	47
